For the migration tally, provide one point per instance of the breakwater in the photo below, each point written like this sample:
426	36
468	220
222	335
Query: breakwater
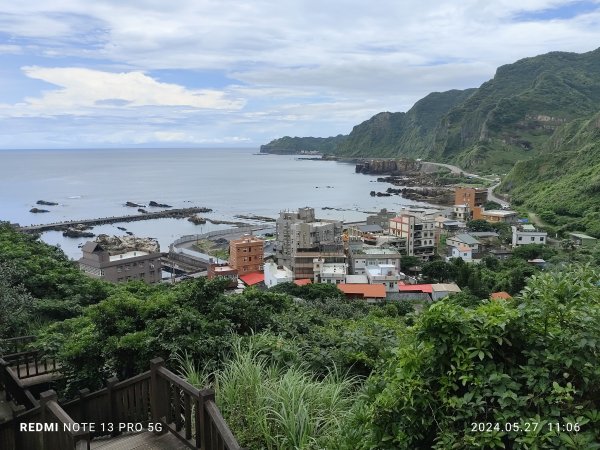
61	226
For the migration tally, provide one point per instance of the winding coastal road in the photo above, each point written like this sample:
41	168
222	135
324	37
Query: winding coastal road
458	171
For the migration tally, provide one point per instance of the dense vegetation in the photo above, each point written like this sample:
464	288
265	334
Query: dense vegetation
563	185
532	360
303	368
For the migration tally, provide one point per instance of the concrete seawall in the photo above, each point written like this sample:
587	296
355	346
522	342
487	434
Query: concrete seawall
60	226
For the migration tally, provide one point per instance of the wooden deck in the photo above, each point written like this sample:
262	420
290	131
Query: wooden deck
140	441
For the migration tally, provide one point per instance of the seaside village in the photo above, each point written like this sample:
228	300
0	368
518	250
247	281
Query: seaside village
362	259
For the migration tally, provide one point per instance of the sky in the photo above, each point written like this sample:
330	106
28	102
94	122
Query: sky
222	73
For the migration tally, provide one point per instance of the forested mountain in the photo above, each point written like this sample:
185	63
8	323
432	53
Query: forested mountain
506	119
289	144
563	183
411	133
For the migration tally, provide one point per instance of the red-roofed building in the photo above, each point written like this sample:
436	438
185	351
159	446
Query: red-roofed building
302	281
368	292
426	288
500	295
253	278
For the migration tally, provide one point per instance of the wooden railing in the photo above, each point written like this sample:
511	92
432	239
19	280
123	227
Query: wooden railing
13	386
156	400
187	412
15	345
60	431
45	427
31	363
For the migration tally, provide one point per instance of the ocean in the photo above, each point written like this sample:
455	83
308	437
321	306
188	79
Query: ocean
96	183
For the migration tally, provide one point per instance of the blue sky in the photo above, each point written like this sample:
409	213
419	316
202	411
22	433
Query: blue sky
107	73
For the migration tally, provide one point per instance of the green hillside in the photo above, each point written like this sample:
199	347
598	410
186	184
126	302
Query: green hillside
563	184
289	144
505	120
402	134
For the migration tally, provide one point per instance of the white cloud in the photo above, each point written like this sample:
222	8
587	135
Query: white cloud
295	67
84	90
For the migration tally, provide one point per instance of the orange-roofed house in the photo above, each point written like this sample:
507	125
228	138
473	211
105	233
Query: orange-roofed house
302	281
368	292
500	295
253	278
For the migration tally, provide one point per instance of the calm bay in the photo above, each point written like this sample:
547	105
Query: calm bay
90	184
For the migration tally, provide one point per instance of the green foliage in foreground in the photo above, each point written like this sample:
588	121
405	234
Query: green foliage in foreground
274	407
530	360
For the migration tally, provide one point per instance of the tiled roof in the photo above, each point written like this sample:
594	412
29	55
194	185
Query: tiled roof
302	281
416	288
500	295
366	290
252	278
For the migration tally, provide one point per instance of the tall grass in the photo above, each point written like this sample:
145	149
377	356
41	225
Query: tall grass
277	408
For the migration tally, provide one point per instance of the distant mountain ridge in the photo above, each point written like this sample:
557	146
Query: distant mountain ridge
506	119
287	144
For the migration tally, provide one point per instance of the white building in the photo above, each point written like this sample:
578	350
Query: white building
527	234
363	257
461	251
275	274
385	274
331	273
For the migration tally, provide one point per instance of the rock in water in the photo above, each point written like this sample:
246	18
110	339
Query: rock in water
158	205
37	210
134	205
46	203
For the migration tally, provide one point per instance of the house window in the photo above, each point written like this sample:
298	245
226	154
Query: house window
542	239
520	238
532	238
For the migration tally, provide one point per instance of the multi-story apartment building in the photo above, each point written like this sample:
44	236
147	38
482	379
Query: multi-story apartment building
360	258
116	268
474	198
246	254
301	238
419	233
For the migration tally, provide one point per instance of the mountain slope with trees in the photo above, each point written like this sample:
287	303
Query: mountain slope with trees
563	186
506	119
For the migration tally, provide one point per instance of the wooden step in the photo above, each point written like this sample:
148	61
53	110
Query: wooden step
140	441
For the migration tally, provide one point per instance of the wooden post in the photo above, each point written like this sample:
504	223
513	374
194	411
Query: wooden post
46	397
156	390
206	395
83	416
112	405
